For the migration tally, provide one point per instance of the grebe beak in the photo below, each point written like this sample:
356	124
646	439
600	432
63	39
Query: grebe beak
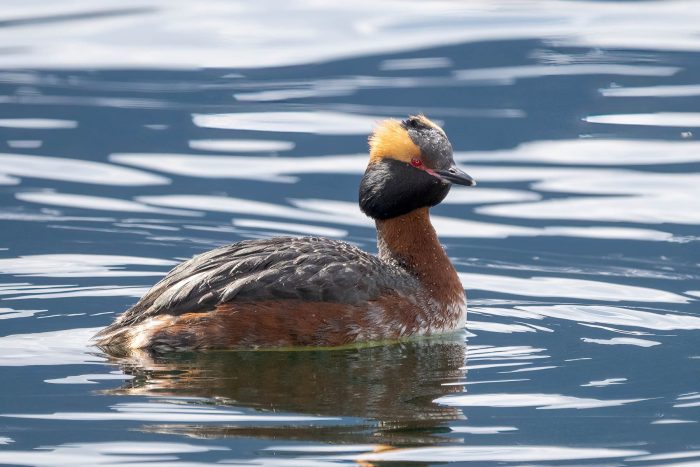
456	175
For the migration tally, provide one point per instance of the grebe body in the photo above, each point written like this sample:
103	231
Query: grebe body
309	291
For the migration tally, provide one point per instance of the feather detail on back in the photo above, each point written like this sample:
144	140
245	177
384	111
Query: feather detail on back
307	268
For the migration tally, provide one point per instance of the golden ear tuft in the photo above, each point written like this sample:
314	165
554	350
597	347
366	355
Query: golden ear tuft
427	122
390	140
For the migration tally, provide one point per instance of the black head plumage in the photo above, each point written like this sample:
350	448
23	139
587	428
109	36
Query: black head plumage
391	188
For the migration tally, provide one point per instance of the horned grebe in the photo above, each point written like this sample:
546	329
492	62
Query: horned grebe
309	291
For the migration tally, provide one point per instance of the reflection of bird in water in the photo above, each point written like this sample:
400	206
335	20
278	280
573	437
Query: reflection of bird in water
284	292
389	388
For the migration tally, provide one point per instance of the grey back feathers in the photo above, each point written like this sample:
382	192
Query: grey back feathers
308	268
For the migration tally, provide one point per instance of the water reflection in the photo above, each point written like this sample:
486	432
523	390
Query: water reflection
297	32
591	152
37	123
616	316
75	170
319	122
108	453
673	119
390	387
240	145
569	288
79	265
540	401
488	453
65	347
680	90
509	75
52	198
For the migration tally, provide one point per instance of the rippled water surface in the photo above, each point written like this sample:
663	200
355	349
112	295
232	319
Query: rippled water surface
135	134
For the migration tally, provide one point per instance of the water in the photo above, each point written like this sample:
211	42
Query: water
136	134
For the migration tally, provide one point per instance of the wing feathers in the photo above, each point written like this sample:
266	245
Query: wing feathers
307	268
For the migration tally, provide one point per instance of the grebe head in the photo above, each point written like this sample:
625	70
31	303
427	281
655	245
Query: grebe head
410	167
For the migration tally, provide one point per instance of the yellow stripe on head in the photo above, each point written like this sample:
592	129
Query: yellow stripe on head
390	140
427	122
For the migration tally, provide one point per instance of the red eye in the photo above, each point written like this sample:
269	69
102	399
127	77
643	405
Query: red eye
415	162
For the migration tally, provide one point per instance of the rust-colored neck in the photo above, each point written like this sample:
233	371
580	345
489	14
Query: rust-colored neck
411	241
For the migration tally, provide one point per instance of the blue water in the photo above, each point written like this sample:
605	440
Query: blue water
134	135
